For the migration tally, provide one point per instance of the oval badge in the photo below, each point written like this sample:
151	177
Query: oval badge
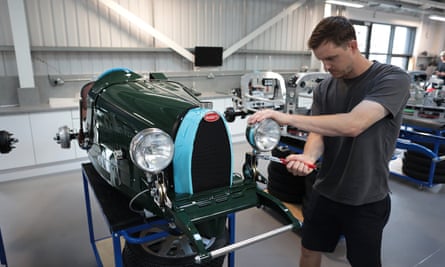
211	116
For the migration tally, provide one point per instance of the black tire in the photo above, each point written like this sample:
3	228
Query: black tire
174	250
283	184
422	163
420	175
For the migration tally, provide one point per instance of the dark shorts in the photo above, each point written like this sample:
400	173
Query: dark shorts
326	221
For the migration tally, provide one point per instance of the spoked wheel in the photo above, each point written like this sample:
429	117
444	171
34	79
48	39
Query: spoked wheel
173	250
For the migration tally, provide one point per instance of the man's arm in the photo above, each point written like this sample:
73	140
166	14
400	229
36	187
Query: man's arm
353	123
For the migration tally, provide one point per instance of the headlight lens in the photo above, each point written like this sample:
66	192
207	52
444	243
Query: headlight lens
152	150
264	136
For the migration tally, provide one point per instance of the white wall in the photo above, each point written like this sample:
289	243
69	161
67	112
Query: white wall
84	37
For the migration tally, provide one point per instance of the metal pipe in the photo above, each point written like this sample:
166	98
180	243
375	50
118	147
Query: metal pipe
224	250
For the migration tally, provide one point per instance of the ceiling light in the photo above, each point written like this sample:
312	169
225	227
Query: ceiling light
439	18
344	3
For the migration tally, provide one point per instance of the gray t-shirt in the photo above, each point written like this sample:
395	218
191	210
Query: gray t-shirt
355	170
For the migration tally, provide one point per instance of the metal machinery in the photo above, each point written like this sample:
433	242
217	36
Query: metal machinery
170	155
261	90
299	97
258	90
294	97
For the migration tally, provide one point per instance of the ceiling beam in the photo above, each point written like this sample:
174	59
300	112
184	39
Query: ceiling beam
238	45
132	18
417	6
425	3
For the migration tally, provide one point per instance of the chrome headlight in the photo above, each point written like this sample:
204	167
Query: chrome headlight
264	136
151	150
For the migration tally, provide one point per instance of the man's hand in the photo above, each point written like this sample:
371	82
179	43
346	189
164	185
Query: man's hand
299	164
278	116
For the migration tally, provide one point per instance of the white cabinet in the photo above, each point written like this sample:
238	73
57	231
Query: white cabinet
23	154
44	127
37	151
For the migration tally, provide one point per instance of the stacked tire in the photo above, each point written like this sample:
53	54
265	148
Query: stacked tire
417	165
283	184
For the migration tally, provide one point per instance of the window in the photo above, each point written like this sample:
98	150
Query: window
392	44
362	36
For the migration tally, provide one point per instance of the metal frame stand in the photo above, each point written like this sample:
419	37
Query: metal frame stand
125	228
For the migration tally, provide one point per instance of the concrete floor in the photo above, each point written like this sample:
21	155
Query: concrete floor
43	222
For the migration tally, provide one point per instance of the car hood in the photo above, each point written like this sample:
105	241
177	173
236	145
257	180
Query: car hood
158	104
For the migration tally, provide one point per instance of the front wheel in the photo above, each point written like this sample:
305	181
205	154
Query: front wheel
174	250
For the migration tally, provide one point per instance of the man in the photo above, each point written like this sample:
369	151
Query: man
440	72
355	122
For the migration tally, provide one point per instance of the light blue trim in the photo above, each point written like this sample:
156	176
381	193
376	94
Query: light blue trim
251	136
184	141
113	70
182	158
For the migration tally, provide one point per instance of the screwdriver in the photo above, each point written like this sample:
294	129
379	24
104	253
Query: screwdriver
284	161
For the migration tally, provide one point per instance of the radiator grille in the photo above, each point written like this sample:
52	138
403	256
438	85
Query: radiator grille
211	160
203	153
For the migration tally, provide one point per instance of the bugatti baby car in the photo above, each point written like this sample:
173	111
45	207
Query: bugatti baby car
171	155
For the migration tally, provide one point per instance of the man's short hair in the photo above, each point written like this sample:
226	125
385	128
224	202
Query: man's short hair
336	29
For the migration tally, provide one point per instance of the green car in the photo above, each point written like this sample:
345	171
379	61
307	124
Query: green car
171	154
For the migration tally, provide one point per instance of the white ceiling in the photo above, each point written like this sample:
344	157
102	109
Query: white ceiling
409	7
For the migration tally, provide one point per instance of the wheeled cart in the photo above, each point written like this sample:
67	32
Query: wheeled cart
423	141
